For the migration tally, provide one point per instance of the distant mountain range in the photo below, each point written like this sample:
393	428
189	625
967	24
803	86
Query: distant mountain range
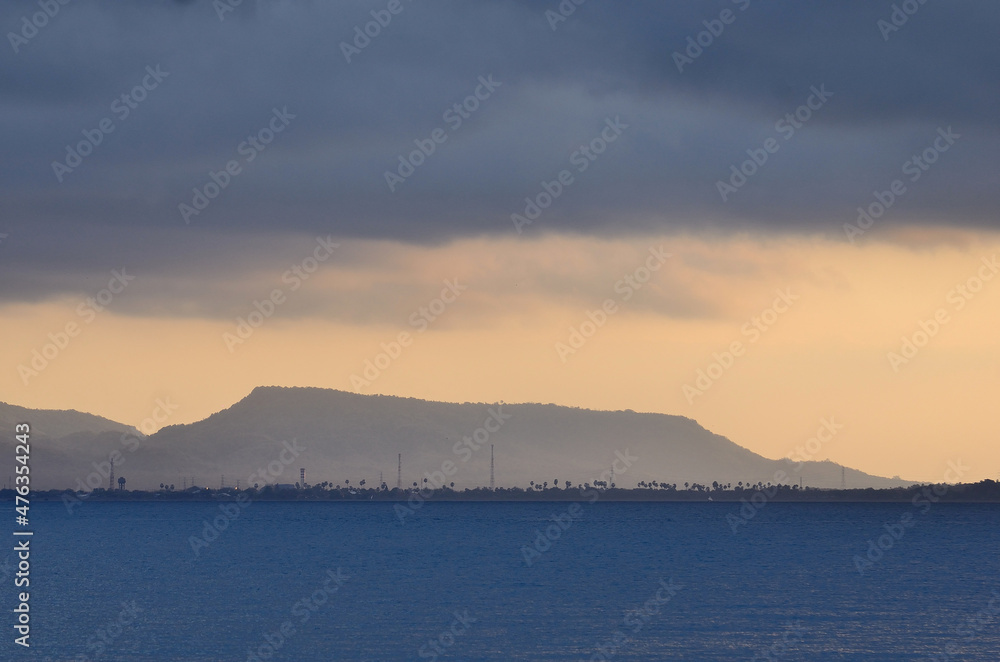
339	437
63	442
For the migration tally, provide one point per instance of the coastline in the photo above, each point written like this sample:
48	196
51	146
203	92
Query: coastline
987	491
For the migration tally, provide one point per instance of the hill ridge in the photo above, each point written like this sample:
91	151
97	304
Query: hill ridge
353	436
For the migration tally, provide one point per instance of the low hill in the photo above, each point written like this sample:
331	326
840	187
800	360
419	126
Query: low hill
64	443
339	436
56	423
348	436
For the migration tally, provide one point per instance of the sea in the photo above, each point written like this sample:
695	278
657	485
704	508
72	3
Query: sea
376	581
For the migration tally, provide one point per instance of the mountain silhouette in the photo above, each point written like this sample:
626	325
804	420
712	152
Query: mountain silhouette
339	436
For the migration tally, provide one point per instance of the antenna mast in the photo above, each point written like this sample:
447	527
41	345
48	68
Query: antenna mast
491	466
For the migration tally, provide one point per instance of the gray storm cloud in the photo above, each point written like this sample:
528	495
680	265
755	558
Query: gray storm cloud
85	70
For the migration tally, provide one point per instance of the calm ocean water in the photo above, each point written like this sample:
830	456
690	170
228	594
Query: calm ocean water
621	581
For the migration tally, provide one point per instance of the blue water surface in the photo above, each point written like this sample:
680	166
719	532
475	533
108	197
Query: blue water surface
456	581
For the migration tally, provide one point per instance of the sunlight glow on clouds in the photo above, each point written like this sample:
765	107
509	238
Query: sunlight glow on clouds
496	340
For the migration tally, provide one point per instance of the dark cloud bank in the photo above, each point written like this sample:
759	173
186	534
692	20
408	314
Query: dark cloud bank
199	86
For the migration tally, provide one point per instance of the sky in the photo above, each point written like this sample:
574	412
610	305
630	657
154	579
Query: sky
757	215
